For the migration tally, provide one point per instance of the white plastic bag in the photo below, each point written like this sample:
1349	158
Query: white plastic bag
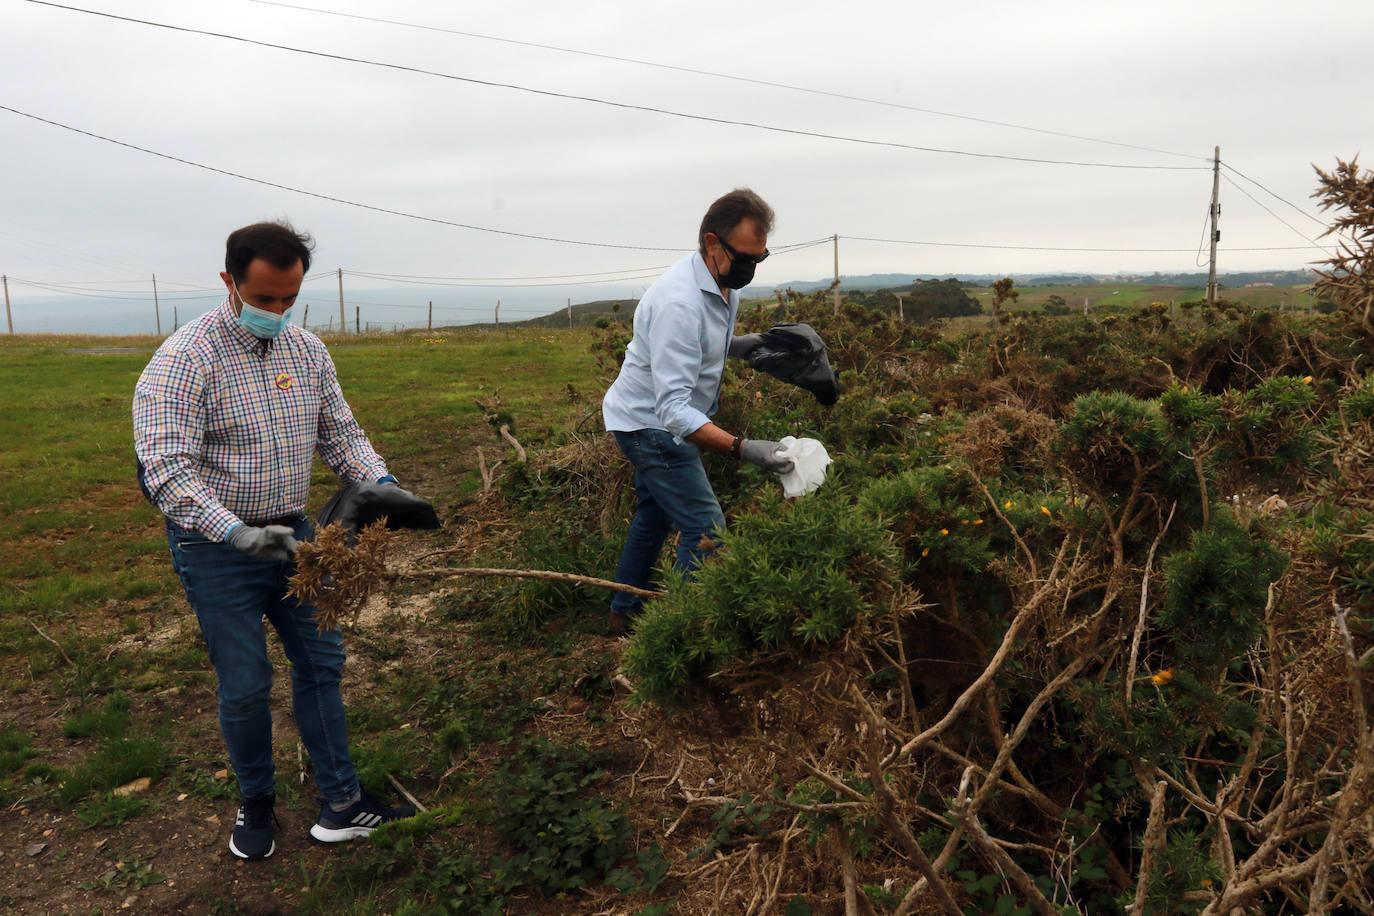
809	461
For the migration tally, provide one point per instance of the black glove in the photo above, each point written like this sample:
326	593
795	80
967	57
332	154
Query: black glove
764	453
274	542
360	504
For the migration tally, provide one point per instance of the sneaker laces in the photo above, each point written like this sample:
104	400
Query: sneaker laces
259	811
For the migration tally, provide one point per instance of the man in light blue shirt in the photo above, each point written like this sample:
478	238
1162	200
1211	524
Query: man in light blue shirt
659	408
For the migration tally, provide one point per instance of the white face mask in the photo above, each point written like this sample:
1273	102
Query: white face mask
260	322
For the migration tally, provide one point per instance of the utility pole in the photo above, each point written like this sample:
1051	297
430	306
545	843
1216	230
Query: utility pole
357	319
900	316
836	285
176	322
569	313
343	322
1216	235
7	305
430	326
498	313
305	318
157	310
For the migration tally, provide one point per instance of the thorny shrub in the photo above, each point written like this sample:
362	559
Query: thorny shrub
1082	621
1097	517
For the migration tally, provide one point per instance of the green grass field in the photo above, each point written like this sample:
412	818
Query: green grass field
92	614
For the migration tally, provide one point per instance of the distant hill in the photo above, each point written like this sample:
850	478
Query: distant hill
894	281
587	312
583	313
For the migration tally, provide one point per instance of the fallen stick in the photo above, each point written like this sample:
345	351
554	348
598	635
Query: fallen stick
408	797
572	578
53	641
519	449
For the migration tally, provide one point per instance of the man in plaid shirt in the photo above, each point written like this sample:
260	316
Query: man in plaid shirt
227	417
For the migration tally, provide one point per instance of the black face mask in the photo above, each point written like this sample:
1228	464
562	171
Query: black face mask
740	274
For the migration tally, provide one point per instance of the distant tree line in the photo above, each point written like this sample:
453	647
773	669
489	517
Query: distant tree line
923	300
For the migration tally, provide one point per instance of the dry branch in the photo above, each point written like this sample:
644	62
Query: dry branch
55	643
519	449
571	578
1151	847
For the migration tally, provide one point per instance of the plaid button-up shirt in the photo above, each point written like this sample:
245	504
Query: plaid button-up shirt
225	424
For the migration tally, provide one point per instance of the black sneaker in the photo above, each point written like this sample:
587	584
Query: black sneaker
357	820
254	833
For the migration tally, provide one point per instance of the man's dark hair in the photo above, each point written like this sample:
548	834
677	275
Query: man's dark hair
276	243
726	213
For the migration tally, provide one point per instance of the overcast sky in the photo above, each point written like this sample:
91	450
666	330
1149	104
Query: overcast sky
1277	84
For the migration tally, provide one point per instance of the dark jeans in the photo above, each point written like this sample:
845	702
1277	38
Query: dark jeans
673	493
231	593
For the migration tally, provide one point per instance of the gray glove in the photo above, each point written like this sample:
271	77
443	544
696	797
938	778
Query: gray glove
741	345
764	453
274	542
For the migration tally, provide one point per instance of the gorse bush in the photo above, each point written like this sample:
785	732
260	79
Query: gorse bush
1070	577
1215	594
1040	573
786	576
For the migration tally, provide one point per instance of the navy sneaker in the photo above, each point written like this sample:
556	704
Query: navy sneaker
357	820
254	834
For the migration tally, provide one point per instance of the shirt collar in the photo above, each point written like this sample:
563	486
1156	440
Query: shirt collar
254	346
707	282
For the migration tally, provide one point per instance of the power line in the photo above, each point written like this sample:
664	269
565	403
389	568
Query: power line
725	76
440	280
609	280
609	275
860	238
337	200
621	105
1202	238
70	252
122	294
1296	231
1314	219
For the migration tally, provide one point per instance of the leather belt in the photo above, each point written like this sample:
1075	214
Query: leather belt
290	521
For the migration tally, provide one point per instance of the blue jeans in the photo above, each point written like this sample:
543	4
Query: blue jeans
231	593
673	493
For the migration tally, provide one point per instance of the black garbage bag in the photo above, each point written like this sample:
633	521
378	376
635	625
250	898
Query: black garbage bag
794	353
360	504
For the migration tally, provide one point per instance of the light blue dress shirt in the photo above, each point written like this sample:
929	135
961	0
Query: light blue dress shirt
674	364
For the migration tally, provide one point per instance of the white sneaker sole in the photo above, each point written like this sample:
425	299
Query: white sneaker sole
340	835
236	851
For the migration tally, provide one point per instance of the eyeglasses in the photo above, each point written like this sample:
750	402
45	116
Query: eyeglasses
737	256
